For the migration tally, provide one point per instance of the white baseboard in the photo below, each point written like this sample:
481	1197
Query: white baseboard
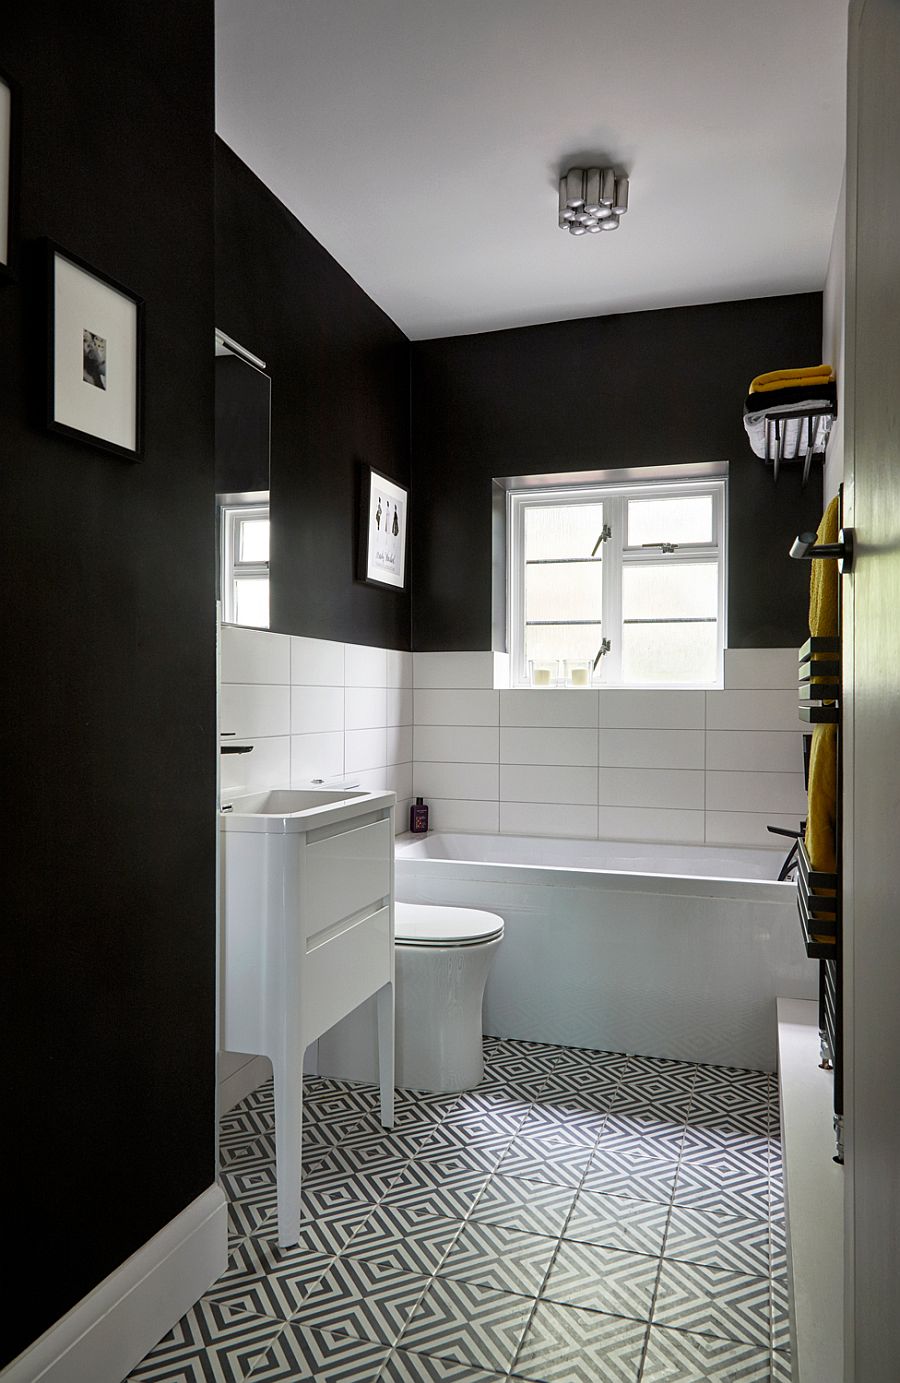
111	1329
242	1080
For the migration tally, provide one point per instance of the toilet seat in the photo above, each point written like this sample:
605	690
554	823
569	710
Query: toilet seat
426	924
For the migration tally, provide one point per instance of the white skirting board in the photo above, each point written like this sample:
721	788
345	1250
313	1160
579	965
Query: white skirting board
111	1329
814	1198
239	1075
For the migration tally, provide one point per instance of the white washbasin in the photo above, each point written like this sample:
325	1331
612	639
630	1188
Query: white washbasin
287	801
292	809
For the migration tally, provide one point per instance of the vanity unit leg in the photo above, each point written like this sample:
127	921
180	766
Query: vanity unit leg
288	1144
385	1007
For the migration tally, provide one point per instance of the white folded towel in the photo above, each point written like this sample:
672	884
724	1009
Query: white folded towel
795	431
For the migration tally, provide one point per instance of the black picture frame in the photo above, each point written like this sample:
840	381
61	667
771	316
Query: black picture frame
9	267
374	559
53	253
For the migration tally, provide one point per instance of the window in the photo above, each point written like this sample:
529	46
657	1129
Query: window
245	564
617	585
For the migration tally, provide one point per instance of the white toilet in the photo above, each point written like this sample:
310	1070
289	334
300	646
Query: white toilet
443	956
442	959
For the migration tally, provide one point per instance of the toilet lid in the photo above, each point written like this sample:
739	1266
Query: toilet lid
425	924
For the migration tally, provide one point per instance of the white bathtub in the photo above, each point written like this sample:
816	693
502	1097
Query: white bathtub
666	950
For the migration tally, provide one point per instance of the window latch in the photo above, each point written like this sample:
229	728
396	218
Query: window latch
605	535
605	646
664	547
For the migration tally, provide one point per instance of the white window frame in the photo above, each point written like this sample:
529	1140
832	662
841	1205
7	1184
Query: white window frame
615	555
232	516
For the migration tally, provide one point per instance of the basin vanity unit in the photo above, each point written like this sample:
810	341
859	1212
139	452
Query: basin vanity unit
307	935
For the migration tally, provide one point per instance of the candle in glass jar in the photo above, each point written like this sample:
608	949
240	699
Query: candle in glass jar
579	677
541	676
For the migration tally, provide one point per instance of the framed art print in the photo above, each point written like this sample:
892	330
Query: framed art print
94	355
9	181
384	526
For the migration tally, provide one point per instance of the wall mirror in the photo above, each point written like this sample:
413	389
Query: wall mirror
243	423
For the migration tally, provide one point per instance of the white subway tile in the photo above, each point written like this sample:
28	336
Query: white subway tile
501	670
480	782
531	746
651	748
453	814
447	671
364	666
766	668
651	823
373	779
652	710
399	706
474	744
548	783
399	668
315	710
651	787
767	751
316	662
267	766
365	708
752	710
547	819
400	781
316	756
364	749
456	707
254	655
560	709
399	744
248	709
755	792
749	829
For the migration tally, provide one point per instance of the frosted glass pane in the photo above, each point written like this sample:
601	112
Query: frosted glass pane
686	519
562	530
669	653
545	642
251	602
254	540
563	591
663	590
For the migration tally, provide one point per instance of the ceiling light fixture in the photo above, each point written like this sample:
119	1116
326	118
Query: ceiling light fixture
591	199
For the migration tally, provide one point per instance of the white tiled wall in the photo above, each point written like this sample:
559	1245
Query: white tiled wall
315	709
689	766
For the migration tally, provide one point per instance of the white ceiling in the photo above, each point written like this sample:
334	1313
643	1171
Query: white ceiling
420	142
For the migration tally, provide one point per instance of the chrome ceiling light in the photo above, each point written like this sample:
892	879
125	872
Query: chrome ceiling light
591	199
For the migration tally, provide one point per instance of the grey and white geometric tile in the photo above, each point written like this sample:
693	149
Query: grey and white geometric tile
601	1279
714	1301
675	1356
618	1222
472	1324
739	1243
530	1206
505	1259
300	1353
566	1345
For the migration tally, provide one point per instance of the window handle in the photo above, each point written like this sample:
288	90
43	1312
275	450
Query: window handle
605	535
605	646
666	547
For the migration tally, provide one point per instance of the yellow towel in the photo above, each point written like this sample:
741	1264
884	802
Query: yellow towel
823	580
821	842
785	379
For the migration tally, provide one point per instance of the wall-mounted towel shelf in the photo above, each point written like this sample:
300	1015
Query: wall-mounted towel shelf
819	681
785	444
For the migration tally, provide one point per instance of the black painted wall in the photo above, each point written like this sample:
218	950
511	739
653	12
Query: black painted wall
646	388
340	398
109	669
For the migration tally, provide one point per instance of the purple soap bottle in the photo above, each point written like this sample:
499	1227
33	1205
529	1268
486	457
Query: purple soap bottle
418	817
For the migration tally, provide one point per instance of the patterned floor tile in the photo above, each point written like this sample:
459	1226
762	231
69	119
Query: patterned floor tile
551	1157
483	1123
300	1353
264	1280
453	1147
618	1222
781	1319
565	1345
526	1205
734	1242
208	1346
782	1372
418	1242
505	1259
711	1301
650	1132
406	1367
425	1187
369	1298
332	1168
245	1122
471	1324
600	1279
596	1086
723	1183
630	1172
673	1356
573	1115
